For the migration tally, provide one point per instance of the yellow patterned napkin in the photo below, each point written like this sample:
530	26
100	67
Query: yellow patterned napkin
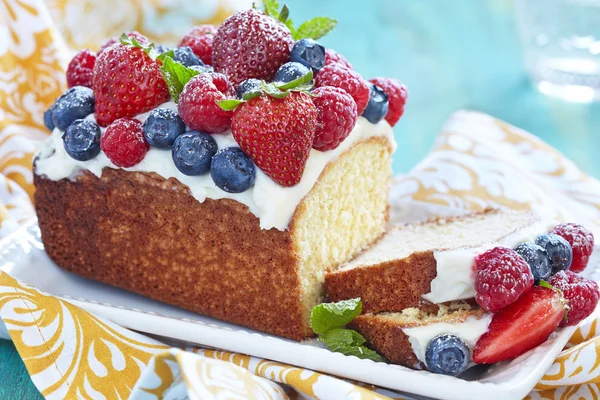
70	353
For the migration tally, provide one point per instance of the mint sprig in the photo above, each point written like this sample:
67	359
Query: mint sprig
328	321
176	75
278	90
315	28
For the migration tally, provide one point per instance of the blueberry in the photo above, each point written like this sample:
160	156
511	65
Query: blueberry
193	151
185	56
161	48
232	170
75	103
48	118
560	253
82	140
290	71
247	86
309	53
537	258
162	127
447	354
378	105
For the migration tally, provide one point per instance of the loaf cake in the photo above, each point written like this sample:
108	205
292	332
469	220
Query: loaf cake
450	293
226	189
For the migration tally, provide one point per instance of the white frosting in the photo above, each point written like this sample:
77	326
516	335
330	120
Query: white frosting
272	203
469	330
455	279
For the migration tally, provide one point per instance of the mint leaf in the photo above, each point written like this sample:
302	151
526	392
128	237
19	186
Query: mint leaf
348	342
327	316
271	8
170	53
176	76
315	28
290	26
273	91
284	13
305	79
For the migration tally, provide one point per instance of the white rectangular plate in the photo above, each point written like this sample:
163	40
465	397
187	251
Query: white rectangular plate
22	256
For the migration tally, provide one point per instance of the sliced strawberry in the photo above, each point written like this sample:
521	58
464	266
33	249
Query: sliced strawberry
521	326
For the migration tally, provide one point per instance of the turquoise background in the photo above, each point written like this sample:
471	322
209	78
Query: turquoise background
451	54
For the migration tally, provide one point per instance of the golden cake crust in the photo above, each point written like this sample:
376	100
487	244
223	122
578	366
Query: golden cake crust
143	233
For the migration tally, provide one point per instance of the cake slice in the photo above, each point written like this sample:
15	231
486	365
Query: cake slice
422	265
402	337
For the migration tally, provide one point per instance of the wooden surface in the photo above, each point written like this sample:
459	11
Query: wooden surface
452	55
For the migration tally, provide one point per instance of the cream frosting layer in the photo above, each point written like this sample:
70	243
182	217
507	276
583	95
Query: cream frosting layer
271	203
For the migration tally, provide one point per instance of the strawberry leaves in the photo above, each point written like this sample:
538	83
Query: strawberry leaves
315	28
176	75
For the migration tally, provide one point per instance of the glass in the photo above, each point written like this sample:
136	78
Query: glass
561	44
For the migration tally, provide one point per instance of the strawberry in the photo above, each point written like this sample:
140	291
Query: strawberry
126	82
277	134
521	326
200	40
251	44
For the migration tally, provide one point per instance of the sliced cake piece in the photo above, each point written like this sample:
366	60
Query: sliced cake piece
421	265
403	337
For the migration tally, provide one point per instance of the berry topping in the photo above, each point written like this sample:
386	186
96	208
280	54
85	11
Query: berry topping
336	117
132	35
185	56
397	94
82	140
247	86
198	103
123	142
581	241
309	53
277	134
290	72
332	57
251	44
377	107
581	295
193	151
79	71
347	79
232	170
48	122
75	103
447	354
537	259
501	276
559	251
200	40
162	127
127	82
521	326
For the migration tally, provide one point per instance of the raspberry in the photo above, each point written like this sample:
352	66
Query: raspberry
200	40
351	81
250	44
397	95
333	57
198	103
79	71
581	295
336	117
581	241
133	34
501	276
123	142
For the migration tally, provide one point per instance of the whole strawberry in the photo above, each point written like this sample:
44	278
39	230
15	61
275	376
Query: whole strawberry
277	134
126	82
123	142
336	117
79	71
501	276
349	80
200	40
397	95
581	295
198	103
251	44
